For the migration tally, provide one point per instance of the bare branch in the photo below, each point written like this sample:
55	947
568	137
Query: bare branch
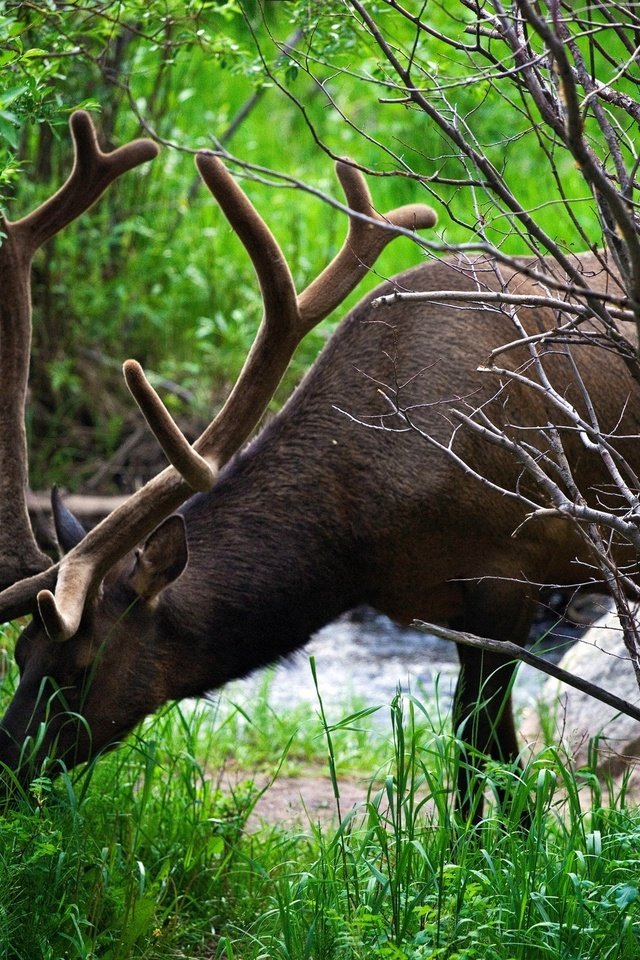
506	649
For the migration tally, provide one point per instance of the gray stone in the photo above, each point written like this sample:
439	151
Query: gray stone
573	718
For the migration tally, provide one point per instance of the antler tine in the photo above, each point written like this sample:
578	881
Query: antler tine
279	332
283	326
190	465
91	174
365	241
18	599
276	283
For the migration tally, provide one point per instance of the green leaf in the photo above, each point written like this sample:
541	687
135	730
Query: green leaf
625	895
8	130
12	94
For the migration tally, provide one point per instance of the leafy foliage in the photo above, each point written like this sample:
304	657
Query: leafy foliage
154	272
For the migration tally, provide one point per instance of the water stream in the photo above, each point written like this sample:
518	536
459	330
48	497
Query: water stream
364	658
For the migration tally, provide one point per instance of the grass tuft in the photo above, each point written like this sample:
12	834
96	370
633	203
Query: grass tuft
158	850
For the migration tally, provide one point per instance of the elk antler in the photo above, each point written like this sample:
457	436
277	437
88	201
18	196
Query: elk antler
92	172
287	318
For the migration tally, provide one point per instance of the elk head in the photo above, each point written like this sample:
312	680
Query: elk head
77	696
90	665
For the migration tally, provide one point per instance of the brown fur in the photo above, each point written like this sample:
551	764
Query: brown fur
324	511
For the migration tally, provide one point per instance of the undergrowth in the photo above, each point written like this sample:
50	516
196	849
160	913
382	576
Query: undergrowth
156	850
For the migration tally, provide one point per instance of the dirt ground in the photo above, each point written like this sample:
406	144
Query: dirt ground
306	800
301	801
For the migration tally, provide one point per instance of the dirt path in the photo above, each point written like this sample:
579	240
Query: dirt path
306	800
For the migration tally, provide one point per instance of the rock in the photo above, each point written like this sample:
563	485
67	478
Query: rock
569	717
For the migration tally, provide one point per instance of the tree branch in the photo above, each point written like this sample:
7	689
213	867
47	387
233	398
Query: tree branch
506	649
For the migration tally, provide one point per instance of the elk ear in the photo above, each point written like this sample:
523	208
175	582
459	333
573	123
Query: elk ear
162	559
69	530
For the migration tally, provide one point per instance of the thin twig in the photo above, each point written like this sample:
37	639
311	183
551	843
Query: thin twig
507	649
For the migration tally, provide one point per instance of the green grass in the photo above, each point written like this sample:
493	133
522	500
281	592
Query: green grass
148	854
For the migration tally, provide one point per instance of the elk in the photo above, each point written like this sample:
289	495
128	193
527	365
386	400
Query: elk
234	555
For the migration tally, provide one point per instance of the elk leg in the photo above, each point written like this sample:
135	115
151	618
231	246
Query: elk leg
482	708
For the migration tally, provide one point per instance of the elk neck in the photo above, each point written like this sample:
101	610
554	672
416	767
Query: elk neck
272	559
